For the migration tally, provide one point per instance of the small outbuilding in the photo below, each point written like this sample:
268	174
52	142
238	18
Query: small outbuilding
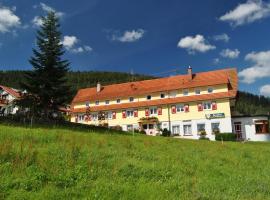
251	128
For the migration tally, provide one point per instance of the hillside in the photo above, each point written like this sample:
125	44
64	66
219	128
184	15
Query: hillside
247	103
63	164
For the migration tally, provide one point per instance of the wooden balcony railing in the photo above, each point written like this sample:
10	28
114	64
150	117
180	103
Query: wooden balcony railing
3	101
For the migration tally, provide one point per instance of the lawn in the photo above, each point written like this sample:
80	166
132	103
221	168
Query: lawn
63	164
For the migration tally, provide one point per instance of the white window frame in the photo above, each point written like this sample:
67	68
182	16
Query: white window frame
189	134
148	98
151	109
185	92
162	94
118	100
97	102
107	102
178	129
182	108
207	103
81	118
210	88
173	94
212	123
197	89
109	115
129	113
94	116
131	99
199	124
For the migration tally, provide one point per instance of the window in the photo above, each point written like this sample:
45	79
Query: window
131	99
108	115
210	90
97	103
207	105
153	111
180	108
144	126
187	129
173	94
262	126
176	130
197	91
107	102
130	113
118	101
81	118
200	128
215	127
148	97
95	117
130	127
150	126
185	92
162	95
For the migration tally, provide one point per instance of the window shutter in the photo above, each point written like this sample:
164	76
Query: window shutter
135	113
123	114
200	107
160	111
146	112
114	115
173	109
214	105
186	108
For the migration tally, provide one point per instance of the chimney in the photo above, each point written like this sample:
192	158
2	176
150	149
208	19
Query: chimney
190	72
98	87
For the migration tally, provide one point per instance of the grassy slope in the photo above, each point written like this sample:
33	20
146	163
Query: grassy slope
60	164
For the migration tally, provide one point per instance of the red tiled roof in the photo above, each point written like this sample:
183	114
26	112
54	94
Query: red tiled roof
11	91
185	99
224	76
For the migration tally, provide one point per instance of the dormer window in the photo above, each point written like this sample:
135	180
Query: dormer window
118	101
107	102
185	92
162	95
131	99
97	103
148	97
210	90
197	91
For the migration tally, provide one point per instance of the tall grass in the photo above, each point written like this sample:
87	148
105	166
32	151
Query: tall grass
62	164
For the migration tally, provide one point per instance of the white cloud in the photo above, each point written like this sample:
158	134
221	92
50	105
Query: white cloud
129	36
247	12
216	61
70	44
47	8
8	19
222	37
37	21
69	41
260	69
265	90
196	43
230	53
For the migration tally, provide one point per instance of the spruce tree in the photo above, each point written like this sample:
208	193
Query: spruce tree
46	84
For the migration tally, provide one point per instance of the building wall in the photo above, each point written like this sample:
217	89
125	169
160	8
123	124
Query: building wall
248	128
193	117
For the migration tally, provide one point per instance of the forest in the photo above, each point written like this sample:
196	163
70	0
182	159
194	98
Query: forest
247	103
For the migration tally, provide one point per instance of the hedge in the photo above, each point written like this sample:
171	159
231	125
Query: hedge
225	137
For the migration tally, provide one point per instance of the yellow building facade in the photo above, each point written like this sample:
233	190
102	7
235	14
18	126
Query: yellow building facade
185	105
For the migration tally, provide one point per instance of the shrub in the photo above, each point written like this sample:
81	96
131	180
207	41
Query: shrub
117	128
225	137
166	132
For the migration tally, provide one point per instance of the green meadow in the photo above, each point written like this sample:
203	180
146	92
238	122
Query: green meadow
42	163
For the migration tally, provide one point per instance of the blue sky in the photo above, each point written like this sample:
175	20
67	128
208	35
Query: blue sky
147	36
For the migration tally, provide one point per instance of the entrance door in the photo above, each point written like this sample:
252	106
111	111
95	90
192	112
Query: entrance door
238	129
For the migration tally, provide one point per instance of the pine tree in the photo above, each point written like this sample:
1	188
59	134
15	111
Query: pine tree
47	83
